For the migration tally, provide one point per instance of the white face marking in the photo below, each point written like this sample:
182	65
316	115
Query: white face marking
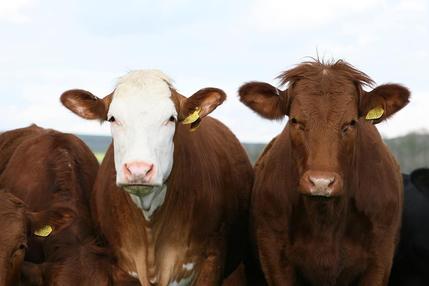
142	132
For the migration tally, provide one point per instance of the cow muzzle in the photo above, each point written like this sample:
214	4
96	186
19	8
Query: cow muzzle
321	184
138	173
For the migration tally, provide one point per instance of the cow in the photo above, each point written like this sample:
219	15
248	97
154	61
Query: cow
327	199
16	223
51	174
89	264
412	255
172	193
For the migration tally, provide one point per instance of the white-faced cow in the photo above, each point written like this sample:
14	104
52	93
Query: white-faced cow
170	200
327	199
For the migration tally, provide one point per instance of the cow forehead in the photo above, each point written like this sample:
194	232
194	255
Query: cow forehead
314	99
333	85
142	89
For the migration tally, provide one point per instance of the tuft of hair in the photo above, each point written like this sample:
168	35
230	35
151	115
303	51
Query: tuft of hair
144	77
317	67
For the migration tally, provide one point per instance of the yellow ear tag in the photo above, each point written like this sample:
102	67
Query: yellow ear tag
375	113
195	125
44	231
194	116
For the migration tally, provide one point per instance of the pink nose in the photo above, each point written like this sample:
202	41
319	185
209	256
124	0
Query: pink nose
325	184
138	172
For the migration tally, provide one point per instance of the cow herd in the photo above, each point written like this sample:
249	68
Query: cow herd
176	201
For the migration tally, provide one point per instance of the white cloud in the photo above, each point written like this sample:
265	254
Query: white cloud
15	11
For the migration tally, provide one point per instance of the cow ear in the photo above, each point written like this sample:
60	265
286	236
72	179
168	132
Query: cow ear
43	223
420	179
265	99
85	104
200	104
383	101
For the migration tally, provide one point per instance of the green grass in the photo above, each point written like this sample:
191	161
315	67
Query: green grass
99	156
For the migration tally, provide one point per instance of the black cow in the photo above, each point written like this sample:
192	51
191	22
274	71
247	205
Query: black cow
411	263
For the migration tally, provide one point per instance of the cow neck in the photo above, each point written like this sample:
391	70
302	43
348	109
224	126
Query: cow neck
150	202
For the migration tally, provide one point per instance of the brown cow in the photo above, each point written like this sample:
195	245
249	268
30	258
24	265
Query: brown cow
16	223
327	199
171	203
88	264
51	173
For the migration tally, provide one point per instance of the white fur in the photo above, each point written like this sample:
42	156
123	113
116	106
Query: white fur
188	266
183	282
150	202
142	106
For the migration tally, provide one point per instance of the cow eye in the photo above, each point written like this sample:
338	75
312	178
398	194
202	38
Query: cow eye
348	126
172	119
297	123
111	119
22	246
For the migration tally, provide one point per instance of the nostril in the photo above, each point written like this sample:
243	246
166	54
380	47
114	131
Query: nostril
126	170
150	169
332	182
311	180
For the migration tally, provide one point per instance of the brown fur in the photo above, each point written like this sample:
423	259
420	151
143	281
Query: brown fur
347	239
13	238
203	218
53	174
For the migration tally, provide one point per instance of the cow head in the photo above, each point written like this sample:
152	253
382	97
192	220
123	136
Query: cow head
326	106
17	224
143	111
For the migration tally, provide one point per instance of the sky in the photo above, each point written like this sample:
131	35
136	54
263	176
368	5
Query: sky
49	46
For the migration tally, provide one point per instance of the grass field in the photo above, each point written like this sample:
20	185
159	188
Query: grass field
99	156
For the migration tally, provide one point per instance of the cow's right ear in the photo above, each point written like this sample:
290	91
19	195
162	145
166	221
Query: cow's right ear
265	99
85	104
43	223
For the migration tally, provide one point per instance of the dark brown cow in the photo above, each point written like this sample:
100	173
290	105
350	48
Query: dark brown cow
14	228
16	223
327	199
88	264
51	173
178	215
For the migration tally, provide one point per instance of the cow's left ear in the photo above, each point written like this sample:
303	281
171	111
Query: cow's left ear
199	105
383	101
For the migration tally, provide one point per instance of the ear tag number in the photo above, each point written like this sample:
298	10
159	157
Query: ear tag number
194	116
44	231
375	113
